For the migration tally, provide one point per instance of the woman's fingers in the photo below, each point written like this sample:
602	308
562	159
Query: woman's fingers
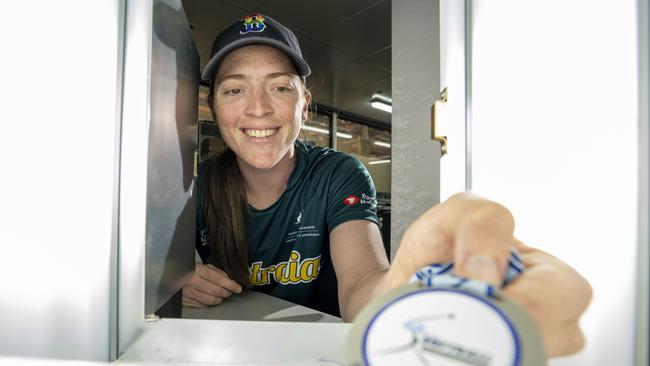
203	298
188	301
483	241
483	238
567	340
475	233
208	286
555	296
219	277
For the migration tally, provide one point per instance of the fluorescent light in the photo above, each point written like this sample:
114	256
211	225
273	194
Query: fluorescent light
382	144
382	98
315	129
322	130
383	106
379	161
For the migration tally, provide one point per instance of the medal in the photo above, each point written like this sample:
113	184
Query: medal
442	319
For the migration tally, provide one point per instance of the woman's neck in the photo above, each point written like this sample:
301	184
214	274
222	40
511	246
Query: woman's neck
265	186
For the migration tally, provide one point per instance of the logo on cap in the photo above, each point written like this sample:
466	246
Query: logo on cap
253	23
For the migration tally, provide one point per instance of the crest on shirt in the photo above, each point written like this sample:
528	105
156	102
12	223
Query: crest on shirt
253	23
351	200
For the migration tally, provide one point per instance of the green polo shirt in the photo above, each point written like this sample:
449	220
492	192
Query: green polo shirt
289	242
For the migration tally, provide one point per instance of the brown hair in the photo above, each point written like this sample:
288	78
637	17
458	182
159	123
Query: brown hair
226	217
226	214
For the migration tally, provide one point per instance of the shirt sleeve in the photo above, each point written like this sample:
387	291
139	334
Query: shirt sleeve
351	195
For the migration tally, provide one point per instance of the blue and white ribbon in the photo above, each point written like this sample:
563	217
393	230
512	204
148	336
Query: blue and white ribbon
442	275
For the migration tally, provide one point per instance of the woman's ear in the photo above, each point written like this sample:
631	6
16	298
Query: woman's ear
305	108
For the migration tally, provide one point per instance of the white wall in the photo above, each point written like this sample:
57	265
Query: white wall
643	252
415	158
60	74
555	140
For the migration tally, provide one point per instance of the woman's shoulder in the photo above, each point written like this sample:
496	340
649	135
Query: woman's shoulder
320	157
326	163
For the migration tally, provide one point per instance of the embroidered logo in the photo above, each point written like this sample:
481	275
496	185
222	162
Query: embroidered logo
292	271
203	234
299	218
351	200
253	23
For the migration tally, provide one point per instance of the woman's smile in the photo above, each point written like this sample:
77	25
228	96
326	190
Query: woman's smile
260	135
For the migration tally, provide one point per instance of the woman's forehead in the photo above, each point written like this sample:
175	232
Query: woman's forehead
255	59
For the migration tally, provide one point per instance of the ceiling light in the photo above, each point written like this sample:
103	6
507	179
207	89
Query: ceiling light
381	105
315	129
322	130
382	98
385	161
382	144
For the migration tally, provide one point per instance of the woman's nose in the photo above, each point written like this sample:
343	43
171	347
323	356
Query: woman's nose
258	104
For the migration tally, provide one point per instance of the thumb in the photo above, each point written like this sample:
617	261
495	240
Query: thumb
483	242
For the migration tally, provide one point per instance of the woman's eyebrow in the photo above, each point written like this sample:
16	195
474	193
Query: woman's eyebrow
274	75
231	76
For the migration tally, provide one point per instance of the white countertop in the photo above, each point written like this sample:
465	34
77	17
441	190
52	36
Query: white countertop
223	342
255	329
267	331
261	307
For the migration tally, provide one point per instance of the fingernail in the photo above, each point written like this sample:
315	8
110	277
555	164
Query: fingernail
483	268
239	290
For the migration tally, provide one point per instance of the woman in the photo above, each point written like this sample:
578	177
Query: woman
299	222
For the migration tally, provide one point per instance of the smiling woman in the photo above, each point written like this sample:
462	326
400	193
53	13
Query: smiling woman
258	97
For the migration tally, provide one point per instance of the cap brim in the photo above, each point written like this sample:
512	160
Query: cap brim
210	68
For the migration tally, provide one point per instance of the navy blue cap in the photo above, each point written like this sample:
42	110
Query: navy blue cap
255	29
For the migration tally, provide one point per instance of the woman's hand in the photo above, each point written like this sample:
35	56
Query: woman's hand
477	235
208	286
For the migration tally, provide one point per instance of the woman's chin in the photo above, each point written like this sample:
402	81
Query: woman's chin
263	159
263	163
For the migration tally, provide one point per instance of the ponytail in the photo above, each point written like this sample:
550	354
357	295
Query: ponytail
226	217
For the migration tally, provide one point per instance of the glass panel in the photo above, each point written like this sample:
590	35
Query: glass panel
204	109
210	141
371	146
316	130
379	143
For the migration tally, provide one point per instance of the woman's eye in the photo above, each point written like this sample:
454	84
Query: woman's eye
233	91
283	89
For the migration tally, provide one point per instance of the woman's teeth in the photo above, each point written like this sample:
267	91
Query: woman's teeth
260	133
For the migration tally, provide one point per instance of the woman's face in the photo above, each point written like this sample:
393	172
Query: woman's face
259	103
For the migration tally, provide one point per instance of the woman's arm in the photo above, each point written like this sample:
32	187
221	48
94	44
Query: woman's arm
477	235
360	264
